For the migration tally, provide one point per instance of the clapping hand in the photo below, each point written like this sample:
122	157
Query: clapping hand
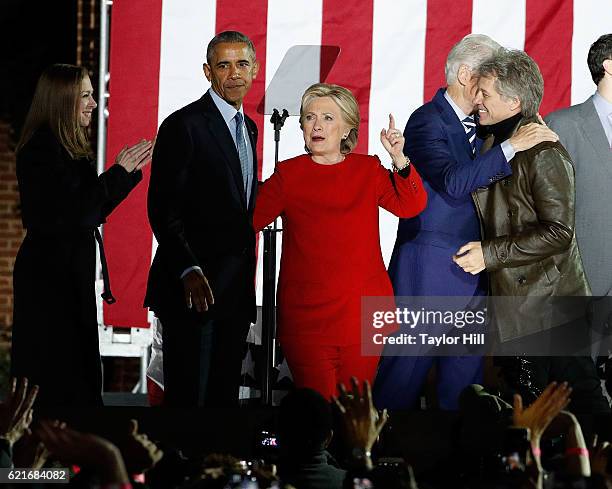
393	141
135	157
537	417
542	411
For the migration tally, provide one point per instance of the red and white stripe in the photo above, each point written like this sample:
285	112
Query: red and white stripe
392	58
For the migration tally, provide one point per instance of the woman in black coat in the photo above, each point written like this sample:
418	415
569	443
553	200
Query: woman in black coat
63	201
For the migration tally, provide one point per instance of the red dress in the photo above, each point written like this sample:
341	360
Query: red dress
331	257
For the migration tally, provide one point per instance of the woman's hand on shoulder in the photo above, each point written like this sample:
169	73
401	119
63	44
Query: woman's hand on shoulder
393	141
135	157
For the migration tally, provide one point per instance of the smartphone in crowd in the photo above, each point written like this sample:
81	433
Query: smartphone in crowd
516	448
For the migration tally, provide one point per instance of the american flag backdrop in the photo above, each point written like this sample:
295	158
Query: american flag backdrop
392	55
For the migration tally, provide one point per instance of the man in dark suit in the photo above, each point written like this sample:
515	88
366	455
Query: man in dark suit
585	130
200	204
442	144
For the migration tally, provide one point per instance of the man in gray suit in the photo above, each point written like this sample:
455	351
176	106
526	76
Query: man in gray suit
586	132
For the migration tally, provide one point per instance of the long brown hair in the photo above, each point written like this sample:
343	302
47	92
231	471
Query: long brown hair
55	105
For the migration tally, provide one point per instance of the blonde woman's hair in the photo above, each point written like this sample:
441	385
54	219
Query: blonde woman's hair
349	108
55	105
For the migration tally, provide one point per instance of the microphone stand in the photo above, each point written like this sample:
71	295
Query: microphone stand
268	312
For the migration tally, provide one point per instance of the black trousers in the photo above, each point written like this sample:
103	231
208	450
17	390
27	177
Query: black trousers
580	373
202	359
562	354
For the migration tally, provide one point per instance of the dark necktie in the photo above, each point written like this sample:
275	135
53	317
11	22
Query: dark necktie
470	131
242	153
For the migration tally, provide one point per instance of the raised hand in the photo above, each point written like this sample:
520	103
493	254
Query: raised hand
544	409
361	421
30	451
393	141
135	157
16	411
84	449
139	453
600	453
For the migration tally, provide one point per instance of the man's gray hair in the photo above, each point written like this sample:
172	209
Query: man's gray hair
228	36
518	77
472	50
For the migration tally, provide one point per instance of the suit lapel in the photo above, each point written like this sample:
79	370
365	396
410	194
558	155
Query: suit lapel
595	134
454	126
222	137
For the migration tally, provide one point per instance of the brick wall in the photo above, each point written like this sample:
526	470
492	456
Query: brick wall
11	232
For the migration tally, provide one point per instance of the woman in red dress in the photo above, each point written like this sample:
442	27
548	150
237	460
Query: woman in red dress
331	256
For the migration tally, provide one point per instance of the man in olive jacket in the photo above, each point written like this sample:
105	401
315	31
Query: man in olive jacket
529	247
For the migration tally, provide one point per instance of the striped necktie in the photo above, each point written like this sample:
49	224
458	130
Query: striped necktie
470	130
242	153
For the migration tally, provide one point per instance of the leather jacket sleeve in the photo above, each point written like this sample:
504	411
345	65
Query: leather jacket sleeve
549	183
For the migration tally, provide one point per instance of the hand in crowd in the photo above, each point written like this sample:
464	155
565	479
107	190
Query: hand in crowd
531	135
139	453
537	417
198	293
541	412
85	450
135	157
30	451
16	411
470	257
393	141
361	422
600	454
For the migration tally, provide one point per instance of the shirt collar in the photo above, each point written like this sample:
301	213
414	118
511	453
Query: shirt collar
460	114
602	105
227	111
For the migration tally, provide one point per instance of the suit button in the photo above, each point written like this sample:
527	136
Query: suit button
509	213
506	182
244	250
522	280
